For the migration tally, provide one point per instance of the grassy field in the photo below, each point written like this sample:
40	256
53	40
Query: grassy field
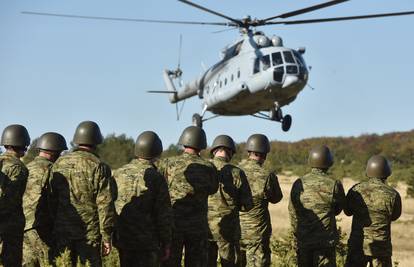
402	230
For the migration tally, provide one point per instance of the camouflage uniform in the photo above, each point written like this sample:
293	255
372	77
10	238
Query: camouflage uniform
145	214
256	227
38	234
223	213
85	211
13	179
315	200
373	205
191	180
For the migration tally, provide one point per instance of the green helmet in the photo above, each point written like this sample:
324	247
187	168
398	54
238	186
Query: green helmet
15	135
320	157
52	141
223	141
87	133
193	137
378	167
258	143
148	145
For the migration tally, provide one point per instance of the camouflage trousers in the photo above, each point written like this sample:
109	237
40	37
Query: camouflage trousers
255	253
36	250
316	257
81	250
356	258
137	258
195	247
229	253
11	245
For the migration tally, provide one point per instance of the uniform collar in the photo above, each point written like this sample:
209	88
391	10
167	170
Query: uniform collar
142	161
86	151
376	180
42	159
10	155
221	159
253	161
185	154
318	171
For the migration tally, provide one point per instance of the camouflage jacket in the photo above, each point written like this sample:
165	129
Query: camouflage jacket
81	188
223	207
255	224
315	200
13	179
143	206
35	198
191	180
373	205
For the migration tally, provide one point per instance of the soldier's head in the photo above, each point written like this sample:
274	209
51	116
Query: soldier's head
193	139
16	139
320	157
88	135
148	146
378	167
258	146
51	145
223	146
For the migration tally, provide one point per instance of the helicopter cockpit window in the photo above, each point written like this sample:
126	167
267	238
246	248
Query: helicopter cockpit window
277	59
256	66
288	57
299	58
266	62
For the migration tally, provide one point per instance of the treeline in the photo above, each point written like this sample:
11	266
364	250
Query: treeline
350	154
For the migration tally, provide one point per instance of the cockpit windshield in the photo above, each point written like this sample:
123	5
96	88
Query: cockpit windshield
288	57
277	59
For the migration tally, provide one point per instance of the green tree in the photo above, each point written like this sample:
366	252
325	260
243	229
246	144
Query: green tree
116	150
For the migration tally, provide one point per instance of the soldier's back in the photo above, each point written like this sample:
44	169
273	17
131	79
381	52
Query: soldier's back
14	173
76	183
372	203
255	223
142	193
35	204
191	179
313	207
223	206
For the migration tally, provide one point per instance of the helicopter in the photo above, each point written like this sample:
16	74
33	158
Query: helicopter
257	75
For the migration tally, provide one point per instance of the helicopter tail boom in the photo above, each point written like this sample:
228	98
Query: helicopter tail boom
191	89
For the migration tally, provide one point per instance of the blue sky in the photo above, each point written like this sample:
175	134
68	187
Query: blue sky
56	72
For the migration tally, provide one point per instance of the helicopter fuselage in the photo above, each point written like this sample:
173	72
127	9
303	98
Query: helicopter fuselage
254	75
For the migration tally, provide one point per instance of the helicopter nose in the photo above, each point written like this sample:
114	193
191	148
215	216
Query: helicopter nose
290	80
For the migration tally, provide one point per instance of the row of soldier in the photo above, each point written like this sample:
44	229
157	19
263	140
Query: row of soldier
153	210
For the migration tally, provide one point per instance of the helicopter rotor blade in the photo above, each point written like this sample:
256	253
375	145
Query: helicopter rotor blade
225	30
305	10
307	21
179	51
235	21
126	19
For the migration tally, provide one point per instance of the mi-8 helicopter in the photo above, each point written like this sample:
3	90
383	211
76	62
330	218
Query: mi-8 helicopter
257	75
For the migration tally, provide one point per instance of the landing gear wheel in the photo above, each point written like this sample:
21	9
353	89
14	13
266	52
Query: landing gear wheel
197	120
286	123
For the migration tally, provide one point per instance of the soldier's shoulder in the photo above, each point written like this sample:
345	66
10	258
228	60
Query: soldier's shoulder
13	163
39	165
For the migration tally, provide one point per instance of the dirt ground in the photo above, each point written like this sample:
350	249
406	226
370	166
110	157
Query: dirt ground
402	229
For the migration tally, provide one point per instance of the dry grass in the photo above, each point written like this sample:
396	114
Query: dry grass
402	230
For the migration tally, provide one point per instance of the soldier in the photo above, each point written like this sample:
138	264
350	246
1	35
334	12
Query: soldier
13	179
191	180
81	187
256	227
144	207
234	195
38	236
315	200
373	205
